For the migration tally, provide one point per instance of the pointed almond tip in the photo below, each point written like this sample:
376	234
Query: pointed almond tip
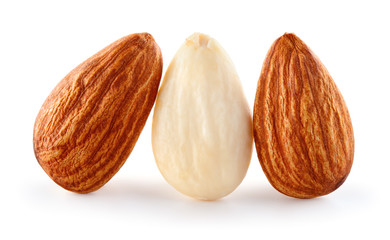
146	36
198	40
290	40
287	34
290	37
143	37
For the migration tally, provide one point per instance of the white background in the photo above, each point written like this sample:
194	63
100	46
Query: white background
42	41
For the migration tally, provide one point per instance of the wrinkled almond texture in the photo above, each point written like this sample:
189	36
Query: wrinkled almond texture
302	128
89	124
202	126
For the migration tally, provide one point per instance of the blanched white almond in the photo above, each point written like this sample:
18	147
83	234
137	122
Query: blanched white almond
202	125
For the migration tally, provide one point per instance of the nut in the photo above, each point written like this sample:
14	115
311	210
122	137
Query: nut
302	129
89	124
202	126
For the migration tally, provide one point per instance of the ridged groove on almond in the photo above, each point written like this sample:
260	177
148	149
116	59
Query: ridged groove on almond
89	124
202	127
302	128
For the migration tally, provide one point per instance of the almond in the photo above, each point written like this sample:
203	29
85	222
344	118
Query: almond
302	129
89	124
202	126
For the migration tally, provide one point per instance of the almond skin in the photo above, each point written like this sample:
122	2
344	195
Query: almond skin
90	122
302	129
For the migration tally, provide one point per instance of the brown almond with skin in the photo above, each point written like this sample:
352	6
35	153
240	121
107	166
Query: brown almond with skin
302	129
89	124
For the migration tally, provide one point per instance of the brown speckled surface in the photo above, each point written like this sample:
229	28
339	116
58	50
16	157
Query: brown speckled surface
89	124
302	129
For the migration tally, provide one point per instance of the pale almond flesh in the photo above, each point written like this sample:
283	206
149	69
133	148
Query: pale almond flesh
202	126
89	124
302	128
